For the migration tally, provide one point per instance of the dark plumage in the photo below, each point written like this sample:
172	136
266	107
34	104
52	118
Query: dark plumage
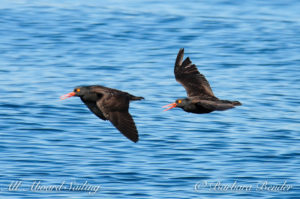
109	104
201	98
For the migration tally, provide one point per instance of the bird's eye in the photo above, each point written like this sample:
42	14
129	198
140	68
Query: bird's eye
77	90
179	101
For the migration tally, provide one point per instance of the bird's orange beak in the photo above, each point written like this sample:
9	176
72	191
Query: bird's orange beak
67	95
172	105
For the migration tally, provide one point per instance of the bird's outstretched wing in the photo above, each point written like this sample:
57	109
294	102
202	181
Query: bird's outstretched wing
94	108
115	109
191	79
125	124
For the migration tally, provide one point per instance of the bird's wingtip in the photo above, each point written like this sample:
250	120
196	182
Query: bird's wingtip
134	139
179	57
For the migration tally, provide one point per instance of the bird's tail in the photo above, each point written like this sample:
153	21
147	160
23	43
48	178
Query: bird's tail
236	103
133	98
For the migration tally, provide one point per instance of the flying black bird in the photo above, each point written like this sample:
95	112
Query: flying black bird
200	98
109	104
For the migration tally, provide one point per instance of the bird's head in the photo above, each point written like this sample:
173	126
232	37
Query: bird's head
178	103
78	91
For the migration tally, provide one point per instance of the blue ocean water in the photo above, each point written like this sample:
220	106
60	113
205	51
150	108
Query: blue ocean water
248	50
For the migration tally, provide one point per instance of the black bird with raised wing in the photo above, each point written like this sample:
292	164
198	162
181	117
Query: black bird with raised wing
109	104
200	98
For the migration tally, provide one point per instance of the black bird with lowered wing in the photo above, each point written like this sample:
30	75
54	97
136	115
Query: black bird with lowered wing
109	104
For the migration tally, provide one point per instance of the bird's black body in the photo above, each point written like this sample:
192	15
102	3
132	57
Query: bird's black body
201	98
193	107
110	104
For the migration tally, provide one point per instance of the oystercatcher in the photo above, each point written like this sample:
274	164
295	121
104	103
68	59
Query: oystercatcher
109	104
201	98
